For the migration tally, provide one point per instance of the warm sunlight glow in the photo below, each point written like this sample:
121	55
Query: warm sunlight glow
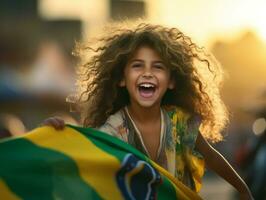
201	20
212	18
260	26
262	32
256	16
79	9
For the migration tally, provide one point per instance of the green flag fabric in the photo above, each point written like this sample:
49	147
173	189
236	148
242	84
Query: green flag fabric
81	163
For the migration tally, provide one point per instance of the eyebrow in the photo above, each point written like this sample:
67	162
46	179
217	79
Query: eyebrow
139	60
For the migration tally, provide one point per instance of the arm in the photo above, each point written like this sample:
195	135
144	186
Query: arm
216	162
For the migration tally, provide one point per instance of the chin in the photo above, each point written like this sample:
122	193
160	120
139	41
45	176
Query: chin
148	104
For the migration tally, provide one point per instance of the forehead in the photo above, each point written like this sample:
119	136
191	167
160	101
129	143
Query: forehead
146	52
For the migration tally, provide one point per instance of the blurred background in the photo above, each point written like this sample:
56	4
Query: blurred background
37	68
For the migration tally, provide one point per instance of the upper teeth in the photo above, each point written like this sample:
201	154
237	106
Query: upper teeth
146	85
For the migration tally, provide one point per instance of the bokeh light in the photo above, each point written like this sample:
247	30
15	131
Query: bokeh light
259	126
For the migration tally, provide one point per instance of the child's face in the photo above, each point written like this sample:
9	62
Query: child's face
146	78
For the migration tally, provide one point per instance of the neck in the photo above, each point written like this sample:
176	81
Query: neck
141	114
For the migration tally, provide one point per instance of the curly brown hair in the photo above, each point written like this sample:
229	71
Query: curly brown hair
197	75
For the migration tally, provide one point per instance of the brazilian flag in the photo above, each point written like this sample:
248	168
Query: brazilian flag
81	163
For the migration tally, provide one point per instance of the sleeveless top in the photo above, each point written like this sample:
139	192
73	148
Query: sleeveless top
176	152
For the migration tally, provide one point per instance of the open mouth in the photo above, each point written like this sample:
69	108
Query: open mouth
146	90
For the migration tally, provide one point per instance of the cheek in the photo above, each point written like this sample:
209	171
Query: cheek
164	77
131	76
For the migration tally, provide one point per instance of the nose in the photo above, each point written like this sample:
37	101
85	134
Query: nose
147	73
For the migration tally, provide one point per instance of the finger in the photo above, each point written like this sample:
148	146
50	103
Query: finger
60	124
54	122
57	123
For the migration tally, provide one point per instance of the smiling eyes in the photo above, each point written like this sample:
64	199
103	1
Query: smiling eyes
156	65
136	65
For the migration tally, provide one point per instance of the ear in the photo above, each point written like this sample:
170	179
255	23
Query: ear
122	83
171	84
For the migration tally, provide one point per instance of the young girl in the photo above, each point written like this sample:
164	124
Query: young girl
153	88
